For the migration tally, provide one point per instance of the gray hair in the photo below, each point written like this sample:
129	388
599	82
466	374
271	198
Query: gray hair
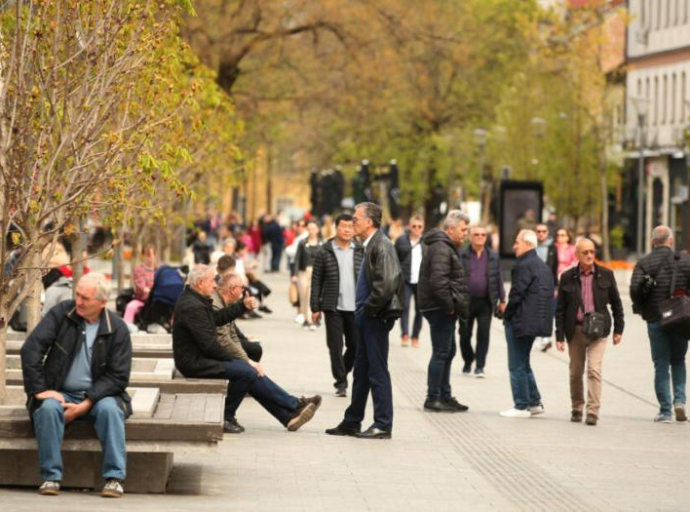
454	218
661	236
529	237
227	279
373	212
97	281
197	274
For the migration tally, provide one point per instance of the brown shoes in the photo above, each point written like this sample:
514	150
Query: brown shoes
306	407
405	340
591	420
415	342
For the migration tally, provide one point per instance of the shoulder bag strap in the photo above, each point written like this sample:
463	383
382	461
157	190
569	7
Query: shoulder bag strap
674	275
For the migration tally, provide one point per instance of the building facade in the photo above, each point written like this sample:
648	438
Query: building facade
658	112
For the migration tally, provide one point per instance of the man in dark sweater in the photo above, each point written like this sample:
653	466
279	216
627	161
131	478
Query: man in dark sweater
333	284
199	354
650	284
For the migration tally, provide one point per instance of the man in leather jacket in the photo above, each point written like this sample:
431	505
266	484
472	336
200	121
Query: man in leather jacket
584	289
378	303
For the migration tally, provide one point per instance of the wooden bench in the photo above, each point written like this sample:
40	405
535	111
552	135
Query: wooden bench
143	345
174	424
146	373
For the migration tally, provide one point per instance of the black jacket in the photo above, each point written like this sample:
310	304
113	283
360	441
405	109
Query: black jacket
196	349
605	293
442	283
304	256
384	279
59	335
403	248
530	303
659	265
325	277
493	271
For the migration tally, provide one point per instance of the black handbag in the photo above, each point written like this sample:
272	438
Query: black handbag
675	310
594	325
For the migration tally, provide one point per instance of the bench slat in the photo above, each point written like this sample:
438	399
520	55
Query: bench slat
215	407
165	407
181	407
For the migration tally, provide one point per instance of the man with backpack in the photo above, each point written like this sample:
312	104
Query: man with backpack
651	283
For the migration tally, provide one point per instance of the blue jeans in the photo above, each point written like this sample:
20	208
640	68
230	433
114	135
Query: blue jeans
411	291
244	379
668	351
522	382
443	351
370	373
108	420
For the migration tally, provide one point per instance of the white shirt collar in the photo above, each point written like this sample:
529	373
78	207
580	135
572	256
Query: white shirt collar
366	242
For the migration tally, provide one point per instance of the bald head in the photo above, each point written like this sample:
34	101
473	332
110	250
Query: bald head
585	251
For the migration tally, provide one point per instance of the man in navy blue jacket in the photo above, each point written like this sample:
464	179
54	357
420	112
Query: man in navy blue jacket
529	314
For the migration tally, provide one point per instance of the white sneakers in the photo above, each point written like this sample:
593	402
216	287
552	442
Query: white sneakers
516	413
299	319
536	410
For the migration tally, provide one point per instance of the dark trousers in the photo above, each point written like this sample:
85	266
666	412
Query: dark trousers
411	291
442	327
276	253
481	312
522	382
339	324
370	373
244	379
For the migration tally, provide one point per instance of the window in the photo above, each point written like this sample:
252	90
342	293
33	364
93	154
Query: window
655	118
683	99
658	14
668	13
664	100
672	114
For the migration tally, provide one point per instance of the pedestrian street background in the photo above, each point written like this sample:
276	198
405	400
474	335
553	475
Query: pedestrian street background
471	461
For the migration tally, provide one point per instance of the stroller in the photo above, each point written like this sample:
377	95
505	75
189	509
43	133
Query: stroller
168	284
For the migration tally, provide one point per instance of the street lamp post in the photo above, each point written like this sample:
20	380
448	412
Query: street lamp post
640	105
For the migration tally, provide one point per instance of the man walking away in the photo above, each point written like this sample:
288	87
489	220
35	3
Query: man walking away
650	284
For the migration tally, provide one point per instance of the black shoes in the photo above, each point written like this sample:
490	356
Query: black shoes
374	433
576	416
445	405
342	430
341	392
232	427
265	309
454	403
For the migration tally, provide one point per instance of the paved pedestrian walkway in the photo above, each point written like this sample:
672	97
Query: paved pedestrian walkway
471	461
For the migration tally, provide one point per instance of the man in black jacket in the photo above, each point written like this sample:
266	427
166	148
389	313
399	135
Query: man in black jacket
333	283
378	303
546	250
443	298
83	376
529	314
485	285
650	284
585	289
410	250
199	354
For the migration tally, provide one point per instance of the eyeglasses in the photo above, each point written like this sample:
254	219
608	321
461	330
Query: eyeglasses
478	234
416	226
542	231
585	253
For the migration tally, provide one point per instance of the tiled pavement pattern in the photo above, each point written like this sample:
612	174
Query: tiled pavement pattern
471	461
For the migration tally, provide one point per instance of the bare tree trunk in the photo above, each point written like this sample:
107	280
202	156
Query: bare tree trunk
33	283
3	363
605	210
